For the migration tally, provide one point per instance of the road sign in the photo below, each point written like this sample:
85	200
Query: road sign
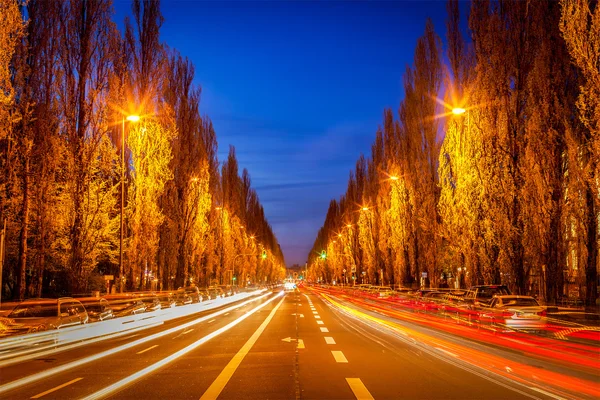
353	269
109	277
344	269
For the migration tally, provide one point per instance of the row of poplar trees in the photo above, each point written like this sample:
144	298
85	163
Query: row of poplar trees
68	79
506	192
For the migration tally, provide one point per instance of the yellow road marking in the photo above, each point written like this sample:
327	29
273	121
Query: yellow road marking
359	389
219	384
339	356
148	349
301	344
37	396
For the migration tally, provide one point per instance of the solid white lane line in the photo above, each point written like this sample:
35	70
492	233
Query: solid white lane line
211	321
148	349
339	356
447	352
329	340
324	330
65	367
151	368
547	393
320	322
359	389
218	385
37	396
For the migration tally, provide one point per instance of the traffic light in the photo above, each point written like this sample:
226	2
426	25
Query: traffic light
264	255
235	278
323	255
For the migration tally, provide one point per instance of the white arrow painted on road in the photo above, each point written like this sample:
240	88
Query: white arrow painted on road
300	342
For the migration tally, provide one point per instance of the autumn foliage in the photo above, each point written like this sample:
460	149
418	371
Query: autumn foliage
506	191
68	80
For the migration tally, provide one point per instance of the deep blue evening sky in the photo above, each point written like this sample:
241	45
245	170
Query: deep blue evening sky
299	89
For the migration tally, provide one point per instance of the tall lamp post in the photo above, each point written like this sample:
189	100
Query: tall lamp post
130	118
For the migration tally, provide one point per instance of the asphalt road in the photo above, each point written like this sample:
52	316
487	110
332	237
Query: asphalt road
283	346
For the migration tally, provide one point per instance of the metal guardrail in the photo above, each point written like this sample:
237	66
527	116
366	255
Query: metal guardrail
16	349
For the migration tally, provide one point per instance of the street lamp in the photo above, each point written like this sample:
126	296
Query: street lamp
458	111
130	118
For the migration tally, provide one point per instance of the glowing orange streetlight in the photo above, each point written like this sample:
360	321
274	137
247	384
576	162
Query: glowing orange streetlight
130	118
394	178
458	111
339	235
365	208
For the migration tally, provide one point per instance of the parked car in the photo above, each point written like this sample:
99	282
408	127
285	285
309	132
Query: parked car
167	300
482	295
194	293
182	297
151	301
125	305
98	309
216	292
36	315
515	313
227	289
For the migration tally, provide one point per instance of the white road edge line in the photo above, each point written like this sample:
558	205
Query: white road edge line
54	389
359	389
52	371
151	368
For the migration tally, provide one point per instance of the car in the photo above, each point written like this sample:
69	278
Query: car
482	295
515	313
216	292
167	300
151	301
289	286
182	297
227	289
98	309
193	292
125	305
36	315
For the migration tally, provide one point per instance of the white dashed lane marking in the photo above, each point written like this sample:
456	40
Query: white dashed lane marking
320	322
37	396
148	349
329	340
324	330
339	356
359	389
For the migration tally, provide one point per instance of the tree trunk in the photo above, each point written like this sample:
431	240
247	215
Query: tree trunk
22	261
591	271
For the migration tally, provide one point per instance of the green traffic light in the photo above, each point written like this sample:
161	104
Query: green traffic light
323	255
264	255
